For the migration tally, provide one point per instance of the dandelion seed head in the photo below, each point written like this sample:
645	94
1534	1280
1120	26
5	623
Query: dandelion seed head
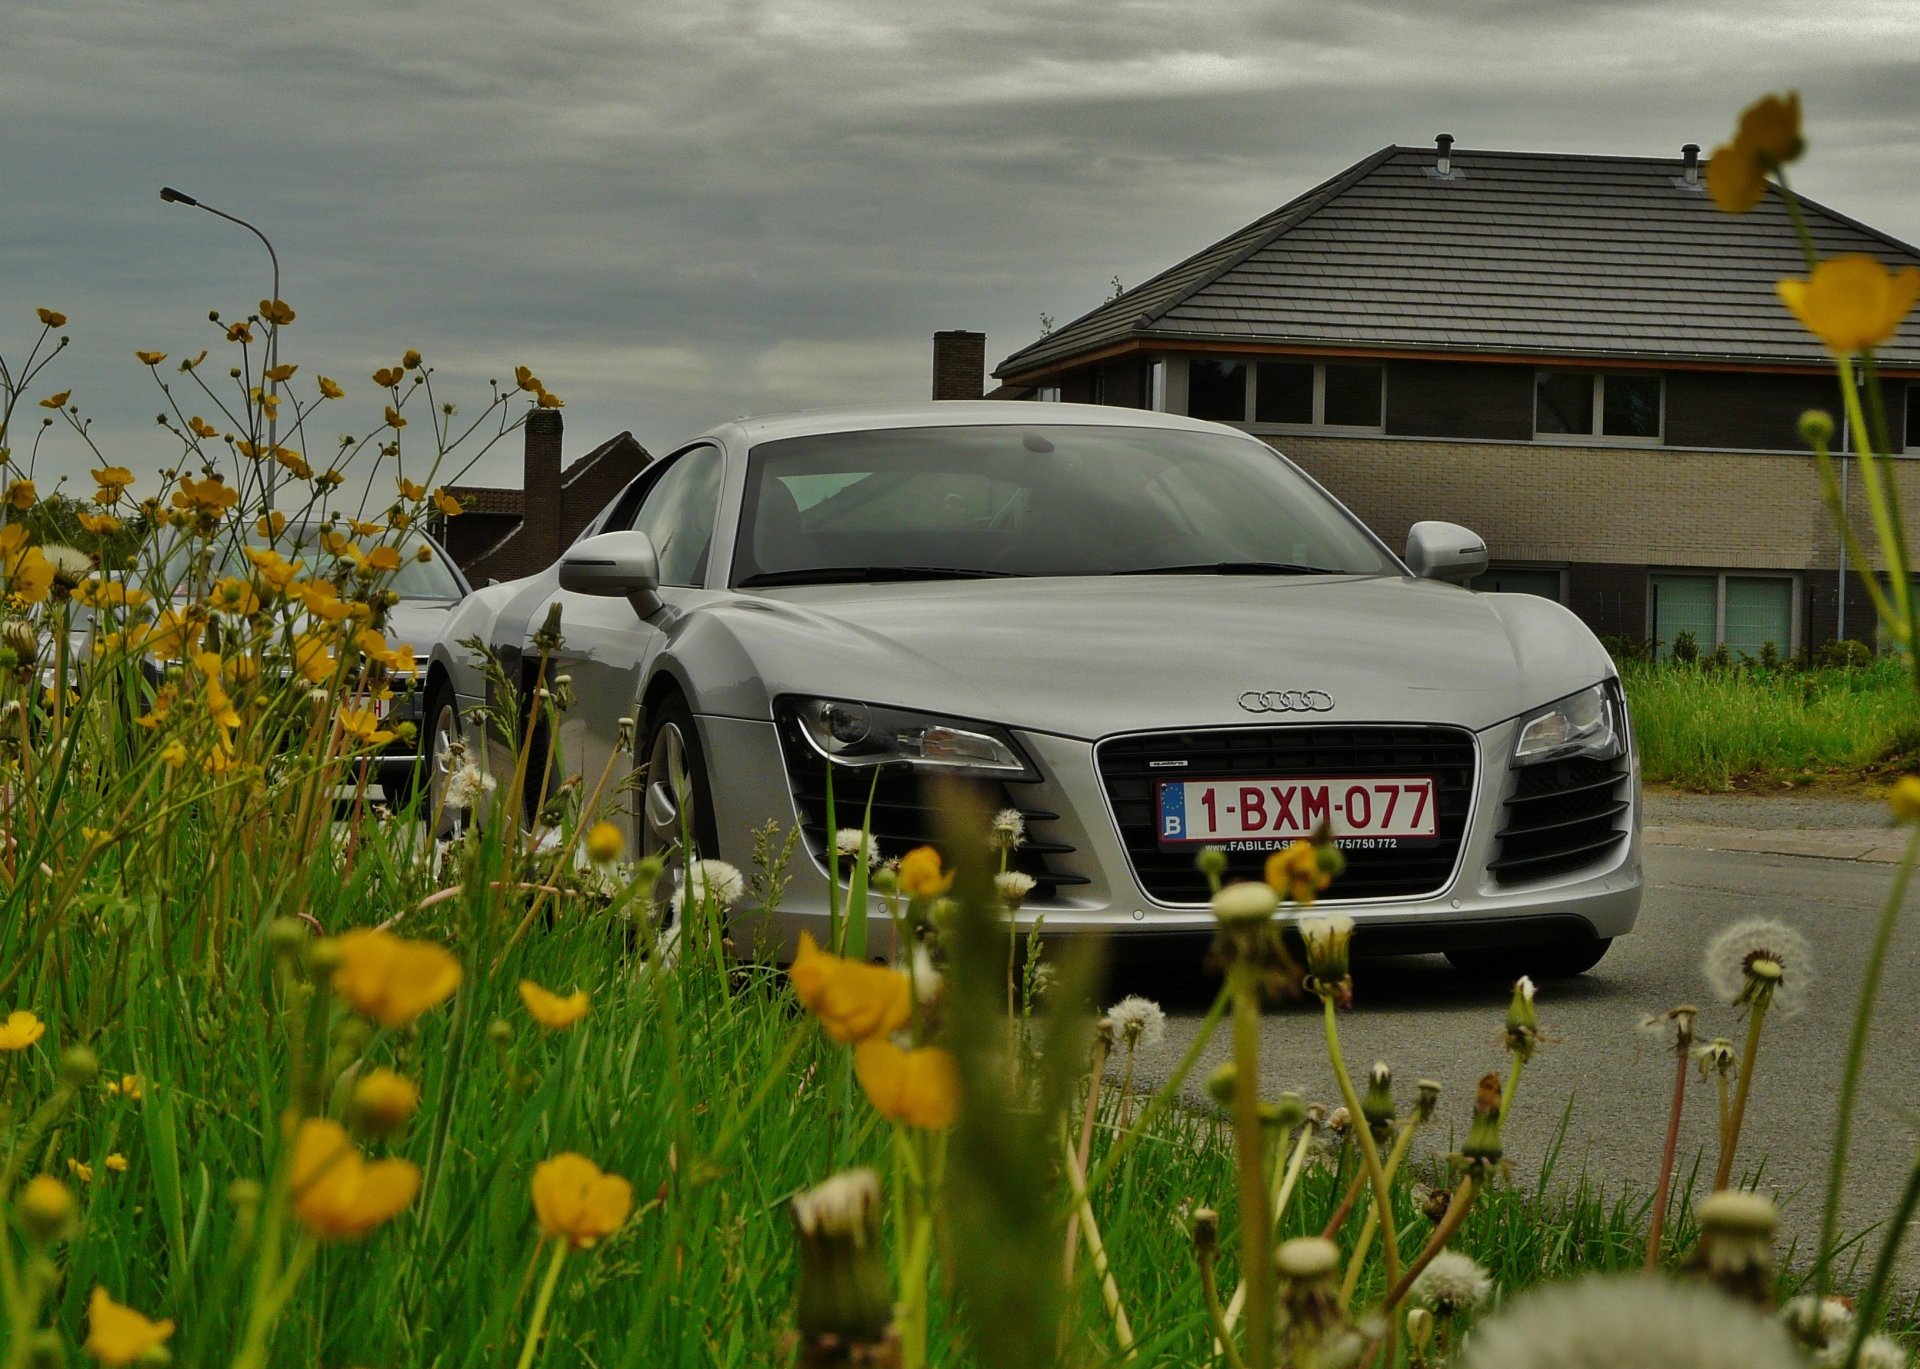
1760	956
1138	1021
1008	831
852	843
1818	1323
1452	1284
1598	1322
1013	886
1879	1351
710	881
466	786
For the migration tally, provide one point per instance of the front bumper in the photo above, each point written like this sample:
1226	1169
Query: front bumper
1472	908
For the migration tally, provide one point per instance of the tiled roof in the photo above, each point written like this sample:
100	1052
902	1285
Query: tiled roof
1522	253
489	499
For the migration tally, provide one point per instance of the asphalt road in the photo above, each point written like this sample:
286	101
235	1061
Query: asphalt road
1426	1020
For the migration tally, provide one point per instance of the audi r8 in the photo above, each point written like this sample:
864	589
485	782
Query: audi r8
1146	633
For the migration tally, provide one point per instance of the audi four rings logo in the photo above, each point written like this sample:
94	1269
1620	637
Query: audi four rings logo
1286	701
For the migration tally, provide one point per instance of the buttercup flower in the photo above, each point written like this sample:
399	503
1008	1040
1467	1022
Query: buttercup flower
1762	962
1852	303
45	1207
20	1030
79	1170
852	1000
390	979
20	494
549	1009
1636	1320
337	1193
1768	138
446	504
1297	873
151	358
575	1202
1138	1021
276	311
384	1101
362	725
53	318
330	389
920	1087
1452	1284
921	875
119	1335
116	1162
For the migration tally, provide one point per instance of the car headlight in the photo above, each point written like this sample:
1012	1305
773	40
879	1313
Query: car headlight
1591	723
861	734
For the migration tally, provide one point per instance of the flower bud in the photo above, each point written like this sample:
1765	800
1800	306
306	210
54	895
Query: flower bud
1905	799
384	1102
1223	1085
1211	862
78	1066
1377	1107
1284	1113
1816	428
245	1194
1329	943
1426	1099
1206	1232
1246	904
286	935
845	1297
1736	1245
46	1209
1523	1024
499	1031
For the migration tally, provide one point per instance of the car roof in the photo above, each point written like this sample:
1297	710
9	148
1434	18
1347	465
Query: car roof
951	413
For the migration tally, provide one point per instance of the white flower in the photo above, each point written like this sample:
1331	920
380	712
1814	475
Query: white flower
1138	1021
711	881
1248	901
1764	955
1452	1284
855	844
1879	1351
1008	832
70	564
1822	1325
1013	886
466	785
1604	1321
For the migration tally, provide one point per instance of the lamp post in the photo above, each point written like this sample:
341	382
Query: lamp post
172	196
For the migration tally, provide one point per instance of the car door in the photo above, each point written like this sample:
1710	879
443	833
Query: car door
606	642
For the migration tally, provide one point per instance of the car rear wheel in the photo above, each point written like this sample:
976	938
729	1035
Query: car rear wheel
1556	960
442	735
674	796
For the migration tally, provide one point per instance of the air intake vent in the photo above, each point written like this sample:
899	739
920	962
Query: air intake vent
1562	817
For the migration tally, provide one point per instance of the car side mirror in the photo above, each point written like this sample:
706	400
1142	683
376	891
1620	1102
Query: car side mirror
1445	551
614	565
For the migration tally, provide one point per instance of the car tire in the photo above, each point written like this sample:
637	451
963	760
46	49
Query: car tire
674	793
442	730
1555	960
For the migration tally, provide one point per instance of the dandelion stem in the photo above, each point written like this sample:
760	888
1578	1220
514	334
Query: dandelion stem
1256	1225
1856	1054
1222	1329
1169	1092
541	1303
1096	1077
1369	1228
1096	1249
1665	1185
1756	1018
1463	1197
1282	1195
1370	1153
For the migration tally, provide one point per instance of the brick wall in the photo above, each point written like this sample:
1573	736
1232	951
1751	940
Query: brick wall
959	364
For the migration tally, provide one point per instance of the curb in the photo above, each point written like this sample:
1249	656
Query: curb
1878	846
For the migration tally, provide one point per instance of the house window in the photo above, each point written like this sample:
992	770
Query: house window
1623	406
1294	394
1521	580
1049	394
1743	612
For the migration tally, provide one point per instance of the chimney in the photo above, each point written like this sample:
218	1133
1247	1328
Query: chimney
1690	163
959	364
540	532
1444	141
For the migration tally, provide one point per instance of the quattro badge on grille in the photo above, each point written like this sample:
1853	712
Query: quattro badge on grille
1286	701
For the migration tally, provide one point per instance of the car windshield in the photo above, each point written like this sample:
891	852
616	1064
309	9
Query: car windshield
416	579
1035	499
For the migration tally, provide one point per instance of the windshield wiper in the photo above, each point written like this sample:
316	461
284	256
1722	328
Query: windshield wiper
1233	568
853	575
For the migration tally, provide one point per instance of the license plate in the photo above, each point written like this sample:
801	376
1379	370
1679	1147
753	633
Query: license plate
1261	814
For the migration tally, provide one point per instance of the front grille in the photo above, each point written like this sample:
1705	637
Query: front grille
1413	870
908	813
1561	816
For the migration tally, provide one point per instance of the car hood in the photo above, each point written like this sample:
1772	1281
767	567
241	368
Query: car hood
1092	657
418	623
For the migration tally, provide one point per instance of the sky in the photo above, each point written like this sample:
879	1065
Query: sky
677	214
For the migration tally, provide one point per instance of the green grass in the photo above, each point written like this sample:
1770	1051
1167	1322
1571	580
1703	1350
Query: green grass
1713	729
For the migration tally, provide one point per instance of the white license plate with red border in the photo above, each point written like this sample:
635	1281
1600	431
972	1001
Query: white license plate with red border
1206	812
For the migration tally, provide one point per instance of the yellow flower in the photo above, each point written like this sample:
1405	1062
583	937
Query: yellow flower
363	726
549	1009
84	1173
20	1030
409	490
1905	799
112	479
312	660
170	636
117	1162
411	359
294	462
280	374
604	843
28	572
576	1203
202	428
1295	873
446	503
852	1000
393	418
319	598
1852	303
387	377
235	597
151	358
276	312
56	401
119	1335
337	1194
390	979
52	318
240	332
526	379
921	876
1768	138
99	524
45	1207
211	495
384	1101
173	754
330	389
131	1087
20	494
920	1087
547	399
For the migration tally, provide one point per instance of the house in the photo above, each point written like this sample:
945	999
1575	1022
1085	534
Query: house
503	534
1579	357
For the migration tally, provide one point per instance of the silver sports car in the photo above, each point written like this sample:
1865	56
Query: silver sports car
1148	634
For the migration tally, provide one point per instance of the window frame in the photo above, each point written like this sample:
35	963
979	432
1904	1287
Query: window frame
1317	423
1594	436
1796	586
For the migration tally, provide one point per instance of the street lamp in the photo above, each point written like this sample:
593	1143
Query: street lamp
172	196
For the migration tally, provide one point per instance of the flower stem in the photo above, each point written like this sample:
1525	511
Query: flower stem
1463	1197
1856	1054
1665	1186
1371	1225
1867	1311
1256	1225
1222	1330
1169	1091
1370	1153
1097	1250
1096	1077
1723	1175
1282	1193
538	1322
